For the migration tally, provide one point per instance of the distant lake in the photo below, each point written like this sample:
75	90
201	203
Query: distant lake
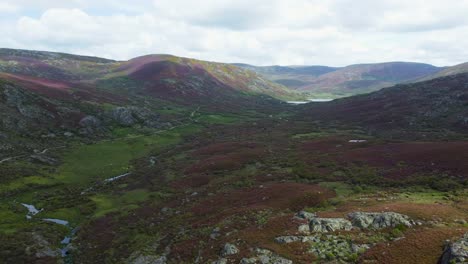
310	100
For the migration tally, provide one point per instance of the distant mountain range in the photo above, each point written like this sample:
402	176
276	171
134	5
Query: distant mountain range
323	81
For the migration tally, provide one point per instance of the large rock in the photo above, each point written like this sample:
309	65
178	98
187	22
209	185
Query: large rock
41	158
90	124
306	215
324	225
456	252
131	115
291	239
149	260
265	256
229	249
123	116
379	220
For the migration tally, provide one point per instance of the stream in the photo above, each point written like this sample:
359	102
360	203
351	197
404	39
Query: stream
32	211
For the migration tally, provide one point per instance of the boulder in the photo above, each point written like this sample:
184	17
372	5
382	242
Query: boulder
229	249
131	115
456	252
123	116
379	220
90	121
291	239
306	215
41	158
303	229
150	260
220	261
265	256
324	225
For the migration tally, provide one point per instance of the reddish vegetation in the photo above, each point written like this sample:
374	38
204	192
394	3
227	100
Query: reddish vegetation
225	147
426	156
234	156
396	160
418	246
275	196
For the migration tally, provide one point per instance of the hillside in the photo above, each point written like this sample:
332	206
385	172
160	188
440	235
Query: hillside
350	80
457	69
91	71
439	104
44	94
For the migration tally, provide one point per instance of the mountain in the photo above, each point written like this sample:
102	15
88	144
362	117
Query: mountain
350	80
164	71
290	76
438	104
52	94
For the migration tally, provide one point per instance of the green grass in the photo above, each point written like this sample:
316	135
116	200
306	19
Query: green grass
342	189
219	119
429	196
111	158
107	203
25	183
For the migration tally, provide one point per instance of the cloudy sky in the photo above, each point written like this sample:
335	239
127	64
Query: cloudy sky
262	32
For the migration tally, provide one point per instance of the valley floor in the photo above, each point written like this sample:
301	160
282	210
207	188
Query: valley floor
226	189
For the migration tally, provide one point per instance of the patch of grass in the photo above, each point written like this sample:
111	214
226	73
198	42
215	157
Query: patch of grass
219	119
428	196
25	183
341	189
108	203
135	196
111	158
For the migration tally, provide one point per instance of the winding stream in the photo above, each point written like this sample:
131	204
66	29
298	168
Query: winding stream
32	211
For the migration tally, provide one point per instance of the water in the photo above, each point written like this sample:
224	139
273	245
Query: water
117	177
319	100
297	102
357	141
57	221
32	210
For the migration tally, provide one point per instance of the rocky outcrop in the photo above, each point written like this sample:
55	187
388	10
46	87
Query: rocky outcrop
41	158
291	239
220	261
129	116
379	220
324	225
337	248
90	124
229	249
150	260
306	215
265	256
123	116
456	252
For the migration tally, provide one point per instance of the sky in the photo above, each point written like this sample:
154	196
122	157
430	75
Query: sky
259	32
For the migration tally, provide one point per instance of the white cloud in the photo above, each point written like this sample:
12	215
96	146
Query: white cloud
6	7
334	32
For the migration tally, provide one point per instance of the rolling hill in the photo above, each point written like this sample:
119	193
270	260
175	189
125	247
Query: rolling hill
345	81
